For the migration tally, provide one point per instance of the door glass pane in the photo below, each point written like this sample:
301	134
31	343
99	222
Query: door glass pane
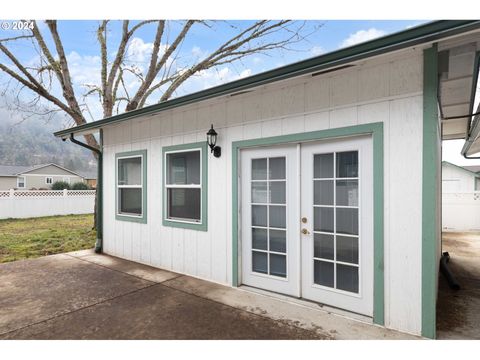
347	278
259	262
323	219
184	204
259	169
278	240
347	249
277	217
323	166
277	168
277	192
323	192
323	273
347	221
323	246
183	168
347	164
130	171
347	192
272	193
259	192
259	215
259	239
130	201
278	265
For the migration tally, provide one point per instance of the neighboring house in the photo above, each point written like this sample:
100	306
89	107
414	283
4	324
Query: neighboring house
459	179
326	186
90	178
35	177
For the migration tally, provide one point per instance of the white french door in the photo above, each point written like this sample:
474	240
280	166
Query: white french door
307	221
270	227
337	223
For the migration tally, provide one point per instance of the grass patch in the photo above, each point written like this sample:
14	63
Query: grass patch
34	237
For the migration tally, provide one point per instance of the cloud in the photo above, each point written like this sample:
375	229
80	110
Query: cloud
362	36
211	77
316	50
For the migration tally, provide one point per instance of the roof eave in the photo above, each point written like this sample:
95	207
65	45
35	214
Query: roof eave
421	34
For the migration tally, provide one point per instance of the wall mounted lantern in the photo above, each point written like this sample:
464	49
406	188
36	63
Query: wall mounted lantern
212	141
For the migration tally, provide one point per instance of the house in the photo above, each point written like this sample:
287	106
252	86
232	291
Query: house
459	179
322	181
90	178
35	177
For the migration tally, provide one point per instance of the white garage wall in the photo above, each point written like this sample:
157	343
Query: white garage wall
456	180
387	90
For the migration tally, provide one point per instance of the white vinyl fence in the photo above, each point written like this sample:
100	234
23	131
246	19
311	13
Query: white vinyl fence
36	203
461	211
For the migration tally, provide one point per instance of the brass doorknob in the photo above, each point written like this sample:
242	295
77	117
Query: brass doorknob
305	231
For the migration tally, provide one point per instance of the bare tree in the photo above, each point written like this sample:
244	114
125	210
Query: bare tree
50	82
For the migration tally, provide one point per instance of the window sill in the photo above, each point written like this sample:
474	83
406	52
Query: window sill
137	219
185	225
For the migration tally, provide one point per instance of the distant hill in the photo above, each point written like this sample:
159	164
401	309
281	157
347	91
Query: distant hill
31	142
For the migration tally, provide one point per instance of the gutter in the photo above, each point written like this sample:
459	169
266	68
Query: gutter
473	134
422	34
99	189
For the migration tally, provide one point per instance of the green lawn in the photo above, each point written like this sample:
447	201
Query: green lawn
30	238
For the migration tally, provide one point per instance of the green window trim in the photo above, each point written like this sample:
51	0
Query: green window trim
203	224
373	129
122	217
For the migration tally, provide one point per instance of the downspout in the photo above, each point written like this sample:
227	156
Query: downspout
99	196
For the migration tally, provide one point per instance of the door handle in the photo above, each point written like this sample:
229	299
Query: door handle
305	232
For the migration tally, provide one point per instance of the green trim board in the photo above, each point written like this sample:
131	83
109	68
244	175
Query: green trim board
425	33
376	131
139	219
203	225
429	191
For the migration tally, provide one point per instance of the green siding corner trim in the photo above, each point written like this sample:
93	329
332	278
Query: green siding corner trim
429	191
140	219
376	131
203	225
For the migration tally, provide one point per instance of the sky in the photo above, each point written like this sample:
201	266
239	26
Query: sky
81	46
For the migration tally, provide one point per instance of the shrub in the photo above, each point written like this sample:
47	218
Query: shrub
60	185
80	186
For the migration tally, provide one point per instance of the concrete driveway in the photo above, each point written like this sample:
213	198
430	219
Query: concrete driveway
83	295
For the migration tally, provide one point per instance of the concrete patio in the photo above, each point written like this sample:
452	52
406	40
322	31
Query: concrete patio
82	295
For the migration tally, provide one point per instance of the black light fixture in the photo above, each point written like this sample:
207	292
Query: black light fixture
212	141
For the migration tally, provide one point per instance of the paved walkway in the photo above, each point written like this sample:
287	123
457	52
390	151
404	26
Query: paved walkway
458	315
82	295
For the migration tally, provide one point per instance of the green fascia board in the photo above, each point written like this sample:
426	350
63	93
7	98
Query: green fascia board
203	226
376	131
138	219
429	32
429	191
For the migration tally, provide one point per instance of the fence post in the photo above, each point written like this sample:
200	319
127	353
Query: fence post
65	192
12	193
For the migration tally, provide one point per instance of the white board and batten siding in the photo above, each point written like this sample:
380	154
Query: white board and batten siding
387	90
